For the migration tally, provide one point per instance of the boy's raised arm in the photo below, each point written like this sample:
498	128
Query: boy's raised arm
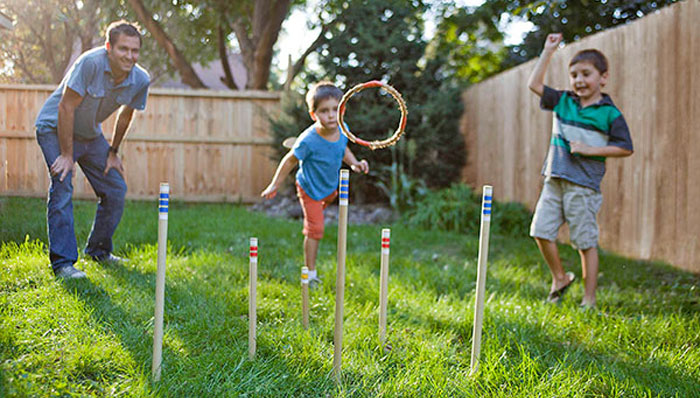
536	81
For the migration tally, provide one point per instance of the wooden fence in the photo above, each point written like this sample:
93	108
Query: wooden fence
648	209
210	146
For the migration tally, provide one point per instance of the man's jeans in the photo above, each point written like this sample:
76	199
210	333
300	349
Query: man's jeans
111	189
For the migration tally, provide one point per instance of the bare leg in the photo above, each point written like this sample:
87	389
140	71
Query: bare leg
550	252
310	252
589	268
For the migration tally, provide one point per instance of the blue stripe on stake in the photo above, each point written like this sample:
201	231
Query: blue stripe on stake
163	202
164	195
343	195
487	211
487	204
162	210
487	197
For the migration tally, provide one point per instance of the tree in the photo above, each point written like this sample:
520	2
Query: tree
383	40
40	48
574	19
187	73
469	42
206	29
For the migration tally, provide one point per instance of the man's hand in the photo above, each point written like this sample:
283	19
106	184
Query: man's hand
62	166
269	192
361	166
552	42
114	162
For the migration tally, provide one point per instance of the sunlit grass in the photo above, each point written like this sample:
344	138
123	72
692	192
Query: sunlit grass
94	337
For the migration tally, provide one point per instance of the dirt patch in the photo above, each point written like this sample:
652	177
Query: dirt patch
287	206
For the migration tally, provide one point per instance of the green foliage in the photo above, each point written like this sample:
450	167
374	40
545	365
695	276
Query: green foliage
39	49
403	191
383	40
468	43
458	209
574	19
93	338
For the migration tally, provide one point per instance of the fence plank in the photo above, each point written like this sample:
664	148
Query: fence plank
648	210
210	146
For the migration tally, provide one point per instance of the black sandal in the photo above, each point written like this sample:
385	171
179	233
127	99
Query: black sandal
555	296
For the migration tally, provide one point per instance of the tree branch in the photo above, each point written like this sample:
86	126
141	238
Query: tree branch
187	73
223	54
299	64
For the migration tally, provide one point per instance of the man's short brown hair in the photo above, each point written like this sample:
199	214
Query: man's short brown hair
122	27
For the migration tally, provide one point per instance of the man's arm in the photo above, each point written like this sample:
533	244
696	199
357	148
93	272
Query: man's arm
121	127
536	81
66	115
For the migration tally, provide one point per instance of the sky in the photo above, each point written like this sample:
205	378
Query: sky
295	36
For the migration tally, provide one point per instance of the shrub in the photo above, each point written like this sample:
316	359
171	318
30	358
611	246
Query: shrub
458	209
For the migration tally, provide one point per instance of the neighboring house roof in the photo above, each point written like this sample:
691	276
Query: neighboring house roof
5	22
211	75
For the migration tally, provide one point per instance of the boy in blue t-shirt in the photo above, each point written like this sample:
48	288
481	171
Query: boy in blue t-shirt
587	128
319	151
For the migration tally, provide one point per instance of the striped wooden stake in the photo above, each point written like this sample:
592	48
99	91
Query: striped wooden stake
384	284
340	272
252	297
305	297
163	204
481	275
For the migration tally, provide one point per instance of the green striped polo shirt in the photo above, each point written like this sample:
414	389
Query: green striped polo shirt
600	124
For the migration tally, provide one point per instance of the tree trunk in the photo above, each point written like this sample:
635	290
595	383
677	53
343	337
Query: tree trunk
256	44
228	76
187	73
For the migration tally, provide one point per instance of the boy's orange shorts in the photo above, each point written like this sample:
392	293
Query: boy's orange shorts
313	212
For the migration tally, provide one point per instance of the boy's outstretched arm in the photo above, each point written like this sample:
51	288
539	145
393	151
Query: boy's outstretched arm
610	151
536	81
286	165
355	165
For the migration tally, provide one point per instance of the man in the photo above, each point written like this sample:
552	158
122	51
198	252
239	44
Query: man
69	130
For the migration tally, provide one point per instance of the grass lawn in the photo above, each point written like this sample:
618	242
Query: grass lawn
94	337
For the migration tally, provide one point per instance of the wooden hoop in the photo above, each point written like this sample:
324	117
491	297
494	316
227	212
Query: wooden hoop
377	144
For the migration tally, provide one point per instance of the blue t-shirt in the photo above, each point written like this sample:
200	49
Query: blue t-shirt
91	77
319	162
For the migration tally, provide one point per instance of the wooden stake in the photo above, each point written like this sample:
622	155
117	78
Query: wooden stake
163	204
481	275
305	297
252	293
340	272
384	284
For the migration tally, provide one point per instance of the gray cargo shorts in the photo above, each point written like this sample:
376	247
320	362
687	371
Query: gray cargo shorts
563	201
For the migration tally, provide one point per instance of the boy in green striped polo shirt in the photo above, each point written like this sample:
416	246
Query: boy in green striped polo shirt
587	129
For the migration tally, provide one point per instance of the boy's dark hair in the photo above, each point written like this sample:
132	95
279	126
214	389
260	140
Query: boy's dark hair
321	91
122	27
595	57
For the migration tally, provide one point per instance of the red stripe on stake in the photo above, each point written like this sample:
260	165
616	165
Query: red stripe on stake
362	142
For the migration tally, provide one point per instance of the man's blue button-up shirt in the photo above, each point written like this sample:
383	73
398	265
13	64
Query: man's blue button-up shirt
91	77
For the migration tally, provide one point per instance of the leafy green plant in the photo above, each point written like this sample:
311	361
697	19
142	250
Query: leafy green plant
403	191
458	208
